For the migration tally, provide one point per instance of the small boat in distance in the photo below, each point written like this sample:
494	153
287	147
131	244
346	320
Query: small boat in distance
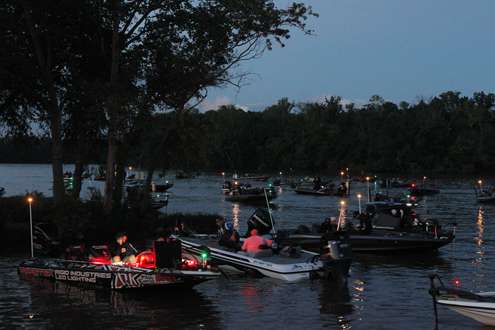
249	177
326	190
422	190
486	198
477	306
316	187
484	195
237	192
184	175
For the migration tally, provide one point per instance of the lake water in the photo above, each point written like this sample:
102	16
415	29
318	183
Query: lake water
384	292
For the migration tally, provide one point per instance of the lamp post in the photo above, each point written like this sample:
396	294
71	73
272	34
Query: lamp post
359	196
341	215
480	183
368	188
30	202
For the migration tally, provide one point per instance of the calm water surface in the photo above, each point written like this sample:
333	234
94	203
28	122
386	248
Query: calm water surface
384	292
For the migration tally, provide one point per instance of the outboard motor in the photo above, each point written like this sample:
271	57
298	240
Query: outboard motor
336	254
336	245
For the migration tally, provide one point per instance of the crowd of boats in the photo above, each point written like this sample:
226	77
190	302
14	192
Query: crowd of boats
186	256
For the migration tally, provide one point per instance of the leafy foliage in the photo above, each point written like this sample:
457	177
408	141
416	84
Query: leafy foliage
449	134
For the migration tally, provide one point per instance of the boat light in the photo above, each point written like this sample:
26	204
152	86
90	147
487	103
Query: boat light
480	182
146	259
457	282
100	261
190	263
204	255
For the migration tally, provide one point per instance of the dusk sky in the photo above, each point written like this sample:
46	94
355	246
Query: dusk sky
399	49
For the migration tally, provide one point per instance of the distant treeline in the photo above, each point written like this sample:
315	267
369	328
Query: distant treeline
451	134
32	149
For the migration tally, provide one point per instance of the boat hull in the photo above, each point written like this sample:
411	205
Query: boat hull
486	200
423	191
374	244
292	272
111	276
313	192
479	311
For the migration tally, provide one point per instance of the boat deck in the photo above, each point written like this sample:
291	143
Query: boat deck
212	243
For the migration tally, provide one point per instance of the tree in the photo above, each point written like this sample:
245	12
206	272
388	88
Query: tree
194	44
38	48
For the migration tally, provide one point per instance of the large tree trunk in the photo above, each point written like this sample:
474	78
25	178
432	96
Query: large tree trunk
149	179
113	109
110	174
52	107
57	151
119	176
78	171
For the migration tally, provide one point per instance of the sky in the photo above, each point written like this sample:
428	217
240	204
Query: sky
402	50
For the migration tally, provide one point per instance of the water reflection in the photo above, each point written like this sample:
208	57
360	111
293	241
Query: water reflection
341	222
367	262
480	248
252	298
480	225
100	308
335	300
236	211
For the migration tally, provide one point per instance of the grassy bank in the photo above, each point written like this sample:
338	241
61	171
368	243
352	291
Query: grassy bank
87	220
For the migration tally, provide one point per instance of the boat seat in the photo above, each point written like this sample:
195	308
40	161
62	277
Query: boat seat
263	253
168	253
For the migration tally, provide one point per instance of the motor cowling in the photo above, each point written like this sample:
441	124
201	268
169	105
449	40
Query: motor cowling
335	245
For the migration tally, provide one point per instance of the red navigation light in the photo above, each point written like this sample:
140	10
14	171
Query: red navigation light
99	261
457	282
146	259
190	263
413	185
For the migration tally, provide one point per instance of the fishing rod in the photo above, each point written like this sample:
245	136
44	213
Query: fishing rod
274	231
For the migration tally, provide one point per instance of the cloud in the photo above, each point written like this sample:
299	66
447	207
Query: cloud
213	104
217	102
344	101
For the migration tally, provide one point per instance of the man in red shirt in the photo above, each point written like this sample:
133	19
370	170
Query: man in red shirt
255	243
